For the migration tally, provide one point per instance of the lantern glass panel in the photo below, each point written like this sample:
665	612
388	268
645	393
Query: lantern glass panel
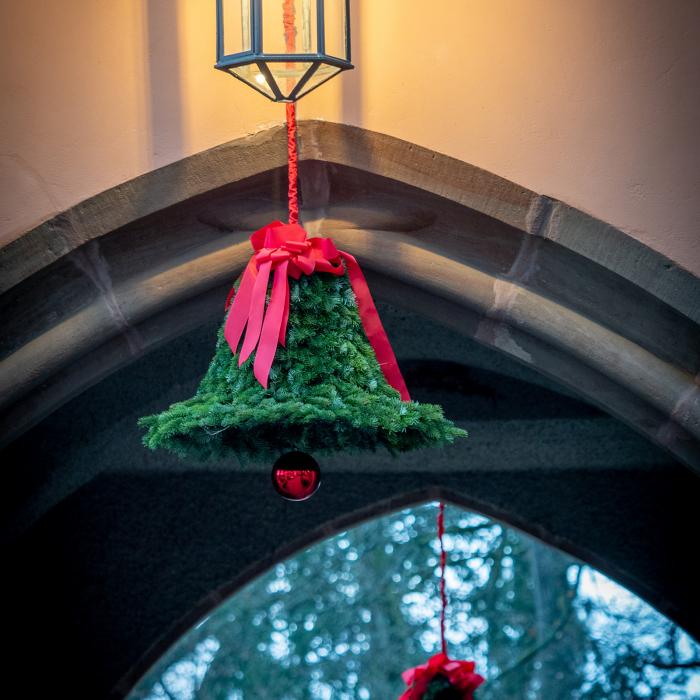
237	29
323	73
304	22
252	75
335	27
287	74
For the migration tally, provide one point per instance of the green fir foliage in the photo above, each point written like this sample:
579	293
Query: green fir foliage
326	392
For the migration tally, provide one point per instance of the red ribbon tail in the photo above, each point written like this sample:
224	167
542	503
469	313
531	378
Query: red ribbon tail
277	310
257	311
373	327
229	298
240	308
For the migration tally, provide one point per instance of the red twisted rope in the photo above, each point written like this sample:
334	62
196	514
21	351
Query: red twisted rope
290	31
292	152
443	561
292	159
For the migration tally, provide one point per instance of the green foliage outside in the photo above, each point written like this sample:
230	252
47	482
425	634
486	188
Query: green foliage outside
343	619
326	392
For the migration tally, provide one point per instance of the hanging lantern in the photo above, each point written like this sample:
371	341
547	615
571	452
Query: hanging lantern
283	49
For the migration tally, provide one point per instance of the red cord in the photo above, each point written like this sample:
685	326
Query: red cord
290	32
292	153
292	158
443	561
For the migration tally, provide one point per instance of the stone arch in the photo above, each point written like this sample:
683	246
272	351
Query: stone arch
100	284
128	541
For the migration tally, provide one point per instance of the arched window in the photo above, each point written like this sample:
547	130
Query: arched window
341	620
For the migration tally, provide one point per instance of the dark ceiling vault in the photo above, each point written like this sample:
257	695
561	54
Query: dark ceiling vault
533	323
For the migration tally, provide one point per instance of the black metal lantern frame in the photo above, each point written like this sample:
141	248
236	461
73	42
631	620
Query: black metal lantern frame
267	64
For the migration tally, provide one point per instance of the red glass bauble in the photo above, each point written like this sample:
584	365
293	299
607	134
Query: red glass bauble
296	476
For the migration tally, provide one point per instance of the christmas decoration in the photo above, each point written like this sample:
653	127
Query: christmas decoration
314	371
441	678
296	476
325	392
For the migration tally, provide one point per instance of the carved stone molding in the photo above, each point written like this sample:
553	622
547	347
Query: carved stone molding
129	269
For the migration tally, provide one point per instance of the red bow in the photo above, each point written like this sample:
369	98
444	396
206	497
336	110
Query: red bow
287	249
460	674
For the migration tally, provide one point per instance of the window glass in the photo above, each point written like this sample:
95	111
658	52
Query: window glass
343	618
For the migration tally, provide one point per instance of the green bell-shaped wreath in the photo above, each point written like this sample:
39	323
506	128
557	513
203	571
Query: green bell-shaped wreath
306	377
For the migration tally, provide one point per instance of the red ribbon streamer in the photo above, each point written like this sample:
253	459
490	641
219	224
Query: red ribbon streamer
287	251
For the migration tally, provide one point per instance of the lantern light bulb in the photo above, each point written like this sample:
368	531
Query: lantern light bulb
260	79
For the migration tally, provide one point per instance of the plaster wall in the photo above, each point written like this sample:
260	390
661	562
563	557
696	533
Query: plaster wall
589	101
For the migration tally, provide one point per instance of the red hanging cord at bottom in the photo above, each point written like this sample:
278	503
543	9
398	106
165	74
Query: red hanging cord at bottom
443	561
430	677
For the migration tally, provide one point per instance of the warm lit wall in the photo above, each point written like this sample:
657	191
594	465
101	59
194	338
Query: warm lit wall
594	102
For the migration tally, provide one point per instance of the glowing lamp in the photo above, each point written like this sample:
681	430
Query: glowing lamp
284	49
